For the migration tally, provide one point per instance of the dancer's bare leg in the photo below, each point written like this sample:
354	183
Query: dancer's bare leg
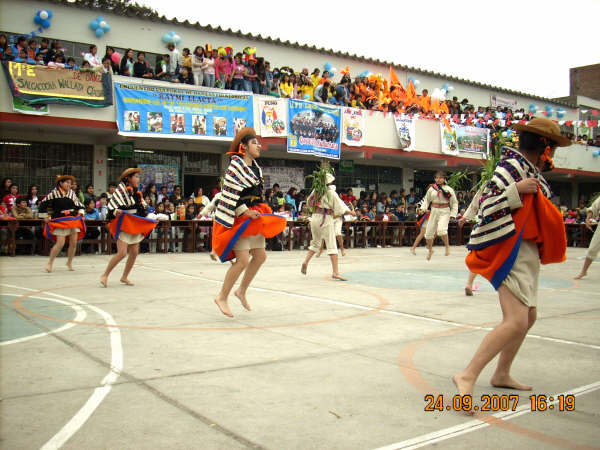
584	269
233	273
513	326
446	244
259	256
56	248
334	265
340	240
321	250
418	240
116	259
501	377
469	285
132	250
429	248
71	250
309	255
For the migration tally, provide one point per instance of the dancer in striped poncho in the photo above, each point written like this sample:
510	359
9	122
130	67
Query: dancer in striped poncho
242	219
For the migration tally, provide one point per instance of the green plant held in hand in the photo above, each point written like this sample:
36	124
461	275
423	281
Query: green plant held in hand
319	185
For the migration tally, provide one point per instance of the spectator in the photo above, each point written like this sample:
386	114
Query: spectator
107	65
127	63
261	76
199	198
175	61
176	198
110	51
163	67
223	69
32	198
289	198
91	213
400	213
21	210
5	188
412	198
250	79
140	67
55	48
286	87
163	194
10	199
185	77
3	45
150	192
91	57
197	65
89	194
32	48
208	67
102	206
186	59
112	187
239	71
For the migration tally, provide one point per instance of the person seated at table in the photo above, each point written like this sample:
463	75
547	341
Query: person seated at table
22	212
91	213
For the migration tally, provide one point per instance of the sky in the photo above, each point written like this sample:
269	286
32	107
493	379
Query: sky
523	45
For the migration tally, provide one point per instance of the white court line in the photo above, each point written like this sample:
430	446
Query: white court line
476	424
80	316
383	311
116	366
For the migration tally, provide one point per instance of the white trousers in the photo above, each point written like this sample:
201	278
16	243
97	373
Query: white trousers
437	222
325	232
594	247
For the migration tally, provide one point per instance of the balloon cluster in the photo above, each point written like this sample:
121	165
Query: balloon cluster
560	113
415	82
596	153
533	108
548	111
365	74
171	38
99	26
329	68
446	87
42	18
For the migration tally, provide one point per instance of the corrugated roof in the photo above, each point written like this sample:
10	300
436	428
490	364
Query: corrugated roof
146	13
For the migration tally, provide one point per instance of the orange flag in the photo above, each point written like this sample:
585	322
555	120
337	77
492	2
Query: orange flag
394	81
411	94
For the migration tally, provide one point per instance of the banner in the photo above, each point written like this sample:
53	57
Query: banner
505	102
25	108
285	177
41	84
172	112
405	126
314	129
353	131
465	139
273	117
159	174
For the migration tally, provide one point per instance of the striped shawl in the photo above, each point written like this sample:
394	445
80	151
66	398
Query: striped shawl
237	178
58	193
124	199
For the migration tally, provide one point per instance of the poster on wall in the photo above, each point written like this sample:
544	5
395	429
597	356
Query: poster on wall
505	102
353	130
314	129
273	117
159	174
459	138
171	112
34	109
41	84
285	177
405	127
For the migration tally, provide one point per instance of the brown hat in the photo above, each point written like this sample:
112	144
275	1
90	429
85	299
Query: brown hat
129	172
544	127
235	148
60	178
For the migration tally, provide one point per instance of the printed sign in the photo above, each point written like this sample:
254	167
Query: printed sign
464	139
273	117
314	129
405	127
353	131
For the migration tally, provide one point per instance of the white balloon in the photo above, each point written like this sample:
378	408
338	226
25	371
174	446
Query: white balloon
43	15
103	24
176	38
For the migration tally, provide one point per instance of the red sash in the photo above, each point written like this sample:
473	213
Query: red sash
64	223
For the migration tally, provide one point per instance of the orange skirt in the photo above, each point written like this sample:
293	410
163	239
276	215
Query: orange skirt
268	224
130	223
64	223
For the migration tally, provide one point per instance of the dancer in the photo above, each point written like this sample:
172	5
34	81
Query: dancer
326	204
128	223
517	229
594	247
444	206
468	216
242	220
422	224
338	223
66	220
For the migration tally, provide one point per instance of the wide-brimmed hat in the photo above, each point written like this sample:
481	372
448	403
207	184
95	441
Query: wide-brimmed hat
544	127
129	172
329	178
60	178
235	148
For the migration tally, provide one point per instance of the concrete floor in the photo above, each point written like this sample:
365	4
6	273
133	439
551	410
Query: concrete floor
316	364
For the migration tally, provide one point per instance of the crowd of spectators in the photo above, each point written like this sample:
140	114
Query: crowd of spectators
244	71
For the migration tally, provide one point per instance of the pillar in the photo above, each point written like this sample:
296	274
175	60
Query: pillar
100	169
408	179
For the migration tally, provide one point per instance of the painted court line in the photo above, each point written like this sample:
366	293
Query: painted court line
476	424
383	311
80	315
116	366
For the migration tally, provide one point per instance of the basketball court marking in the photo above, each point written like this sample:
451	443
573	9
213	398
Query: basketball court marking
116	366
80	315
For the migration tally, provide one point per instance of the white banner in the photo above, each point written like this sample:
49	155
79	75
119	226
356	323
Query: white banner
353	127
504	102
273	117
285	177
405	126
449	145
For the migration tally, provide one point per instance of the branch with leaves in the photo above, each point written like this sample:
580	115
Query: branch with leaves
319	185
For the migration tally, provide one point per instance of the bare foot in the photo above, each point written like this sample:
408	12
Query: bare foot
223	306
49	268
104	280
508	382
303	268
343	252
447	252
338	277
580	276
213	255
70	267
464	387
126	281
468	291
242	298
429	254
413	250
319	254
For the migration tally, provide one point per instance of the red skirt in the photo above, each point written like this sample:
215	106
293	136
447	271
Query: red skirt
130	223
63	223
422	219
268	224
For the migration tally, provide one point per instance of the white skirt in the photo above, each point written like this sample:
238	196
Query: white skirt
65	231
130	239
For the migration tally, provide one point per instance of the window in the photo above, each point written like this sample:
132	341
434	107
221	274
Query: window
150	57
70	48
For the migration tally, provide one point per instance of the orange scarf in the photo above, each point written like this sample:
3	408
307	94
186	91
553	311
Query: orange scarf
537	220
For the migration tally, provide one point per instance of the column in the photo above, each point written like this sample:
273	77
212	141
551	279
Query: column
100	168
408	179
574	194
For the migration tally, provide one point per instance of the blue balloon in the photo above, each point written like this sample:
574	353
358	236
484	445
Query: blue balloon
596	153
100	19
166	38
327	66
560	113
99	32
94	24
46	23
50	14
508	133
548	108
106	28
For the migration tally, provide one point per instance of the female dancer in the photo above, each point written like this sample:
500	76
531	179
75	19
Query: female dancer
128	223
67	219
242	220
519	227
444	206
